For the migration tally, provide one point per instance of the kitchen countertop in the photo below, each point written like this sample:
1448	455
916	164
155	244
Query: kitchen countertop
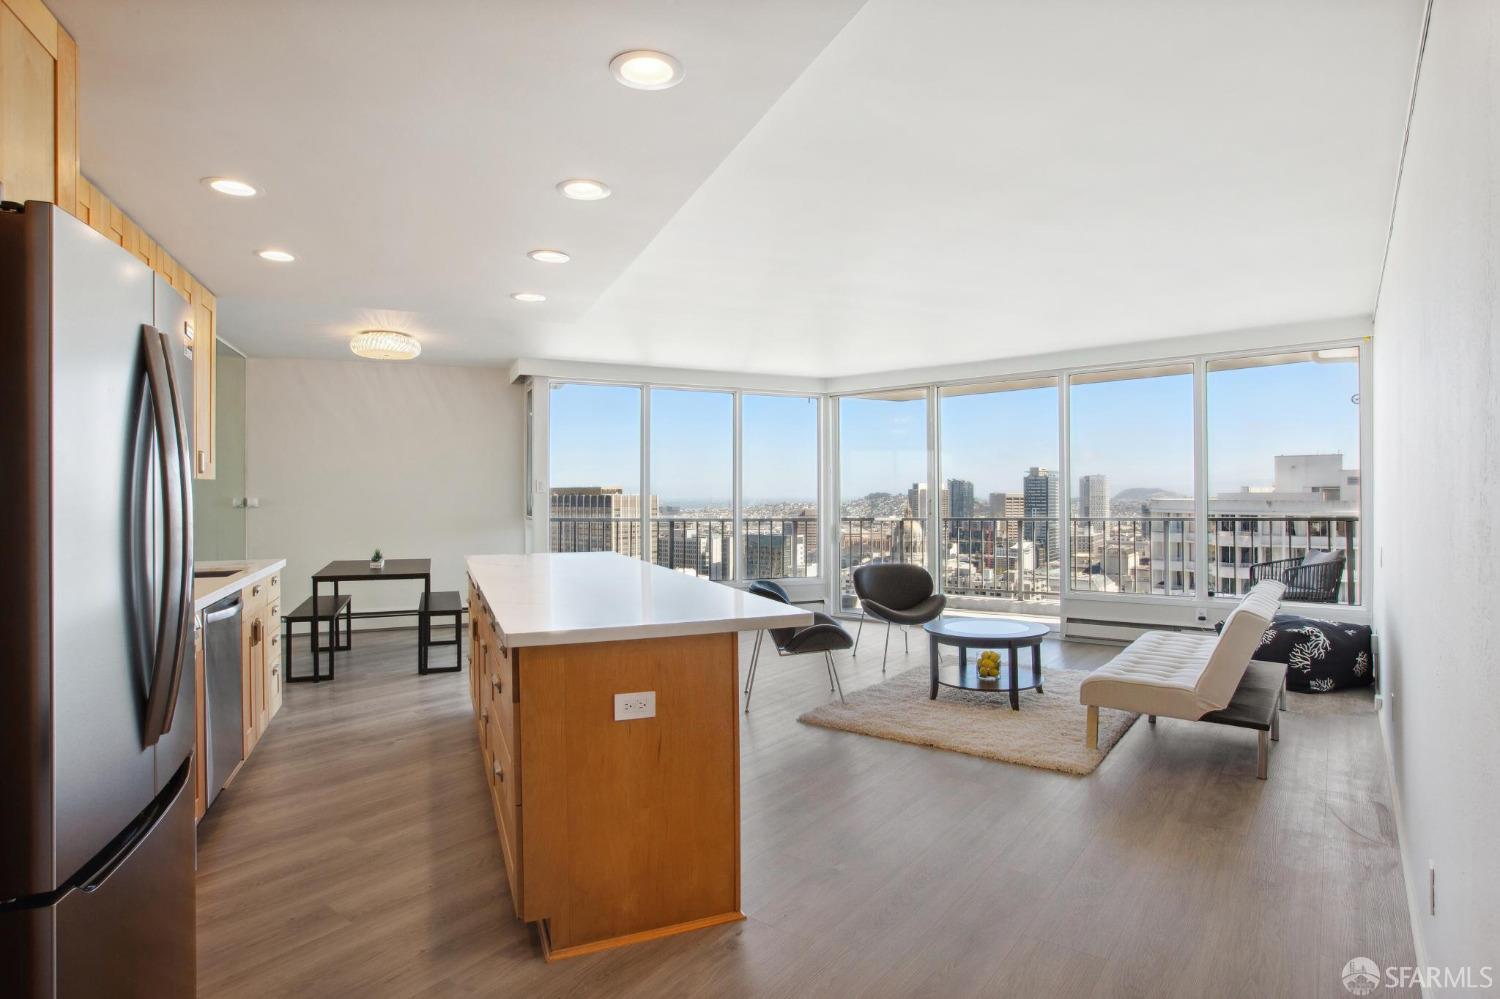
573	598
210	589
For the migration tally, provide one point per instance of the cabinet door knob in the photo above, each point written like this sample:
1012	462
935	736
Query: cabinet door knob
255	590
484	714
495	682
499	772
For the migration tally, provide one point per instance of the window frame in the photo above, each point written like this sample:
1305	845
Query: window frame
829	472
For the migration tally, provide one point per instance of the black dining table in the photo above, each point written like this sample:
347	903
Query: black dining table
360	571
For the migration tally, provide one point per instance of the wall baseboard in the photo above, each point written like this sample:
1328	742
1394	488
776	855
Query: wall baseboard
1414	887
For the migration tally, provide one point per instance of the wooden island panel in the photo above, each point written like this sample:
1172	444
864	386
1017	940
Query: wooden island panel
631	828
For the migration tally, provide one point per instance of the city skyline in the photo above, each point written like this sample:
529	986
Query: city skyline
1136	432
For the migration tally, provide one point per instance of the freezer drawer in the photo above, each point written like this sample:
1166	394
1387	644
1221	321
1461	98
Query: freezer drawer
129	930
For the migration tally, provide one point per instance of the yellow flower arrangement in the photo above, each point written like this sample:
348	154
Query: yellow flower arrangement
989	664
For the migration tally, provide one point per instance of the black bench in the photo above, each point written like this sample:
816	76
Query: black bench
329	609
1257	704
441	603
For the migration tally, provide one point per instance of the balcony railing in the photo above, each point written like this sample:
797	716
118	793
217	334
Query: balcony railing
1245	540
1131	555
1012	558
773	547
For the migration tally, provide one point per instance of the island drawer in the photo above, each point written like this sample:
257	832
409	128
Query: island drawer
504	793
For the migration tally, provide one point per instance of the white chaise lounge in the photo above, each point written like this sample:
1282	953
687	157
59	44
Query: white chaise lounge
1198	677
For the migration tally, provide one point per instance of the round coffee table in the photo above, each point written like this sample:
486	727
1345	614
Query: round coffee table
967	633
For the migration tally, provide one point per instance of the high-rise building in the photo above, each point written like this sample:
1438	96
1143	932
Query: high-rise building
1311	504
960	498
916	500
1093	497
1039	492
1011	506
597	518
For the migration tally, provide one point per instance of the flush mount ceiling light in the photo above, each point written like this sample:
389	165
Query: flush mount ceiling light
644	69
230	186
275	256
529	296
385	345
549	256
584	190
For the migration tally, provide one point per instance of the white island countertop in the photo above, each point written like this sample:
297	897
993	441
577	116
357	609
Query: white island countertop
578	597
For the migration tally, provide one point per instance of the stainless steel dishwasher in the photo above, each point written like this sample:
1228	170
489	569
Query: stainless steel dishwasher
224	734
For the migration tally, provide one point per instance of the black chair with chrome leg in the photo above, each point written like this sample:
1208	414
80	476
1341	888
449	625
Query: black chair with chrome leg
824	635
896	593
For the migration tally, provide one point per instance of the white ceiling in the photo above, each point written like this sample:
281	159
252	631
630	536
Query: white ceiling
831	190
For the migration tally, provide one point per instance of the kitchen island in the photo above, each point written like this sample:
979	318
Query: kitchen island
606	695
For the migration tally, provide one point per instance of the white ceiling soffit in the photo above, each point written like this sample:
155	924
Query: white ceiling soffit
957	181
945	182
408	152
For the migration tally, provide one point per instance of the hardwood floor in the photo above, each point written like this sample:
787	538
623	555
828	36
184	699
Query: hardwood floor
356	855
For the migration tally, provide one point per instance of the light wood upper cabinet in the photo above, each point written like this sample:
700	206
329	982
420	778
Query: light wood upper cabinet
39	162
28	111
205	379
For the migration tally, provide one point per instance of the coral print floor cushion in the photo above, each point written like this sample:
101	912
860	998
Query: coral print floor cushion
1320	655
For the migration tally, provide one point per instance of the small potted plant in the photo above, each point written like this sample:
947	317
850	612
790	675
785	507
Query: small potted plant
377	560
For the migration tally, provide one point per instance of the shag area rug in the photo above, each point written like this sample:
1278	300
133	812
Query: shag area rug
1046	733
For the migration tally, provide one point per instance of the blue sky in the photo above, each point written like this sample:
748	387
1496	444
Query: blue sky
1139	433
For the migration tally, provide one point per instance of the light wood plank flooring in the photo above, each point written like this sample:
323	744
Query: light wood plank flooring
356	855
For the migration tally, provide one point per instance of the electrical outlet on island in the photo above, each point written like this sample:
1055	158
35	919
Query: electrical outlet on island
641	704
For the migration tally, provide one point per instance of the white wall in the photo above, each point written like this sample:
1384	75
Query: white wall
1437	489
418	459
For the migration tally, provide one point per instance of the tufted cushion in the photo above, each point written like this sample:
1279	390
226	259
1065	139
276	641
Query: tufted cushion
1157	674
1185	675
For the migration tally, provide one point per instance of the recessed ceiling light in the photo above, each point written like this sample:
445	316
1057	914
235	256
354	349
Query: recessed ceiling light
584	190
549	256
385	345
529	296
278	256
230	186
643	69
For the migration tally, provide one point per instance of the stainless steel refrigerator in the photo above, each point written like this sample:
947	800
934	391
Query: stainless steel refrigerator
97	845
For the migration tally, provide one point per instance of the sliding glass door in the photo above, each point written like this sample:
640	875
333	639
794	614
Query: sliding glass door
1283	447
1131	475
595	459
885	504
779	486
1000	532
692	482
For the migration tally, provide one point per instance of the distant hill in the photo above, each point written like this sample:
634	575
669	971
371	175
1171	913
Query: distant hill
1140	494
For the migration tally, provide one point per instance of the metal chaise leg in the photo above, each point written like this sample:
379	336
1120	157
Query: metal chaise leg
858	631
833	672
884	655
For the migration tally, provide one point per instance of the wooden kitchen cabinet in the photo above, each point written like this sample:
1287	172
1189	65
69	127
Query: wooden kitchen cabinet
261	674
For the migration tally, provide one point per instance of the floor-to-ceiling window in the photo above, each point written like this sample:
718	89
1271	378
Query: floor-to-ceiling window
884	496
779	486
692	481
595	459
1131	477
1000	530
1283	446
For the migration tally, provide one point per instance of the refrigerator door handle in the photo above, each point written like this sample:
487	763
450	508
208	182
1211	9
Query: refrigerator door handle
185	518
161	693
